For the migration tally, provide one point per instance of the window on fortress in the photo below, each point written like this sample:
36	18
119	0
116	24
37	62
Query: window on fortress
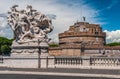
84	30
96	32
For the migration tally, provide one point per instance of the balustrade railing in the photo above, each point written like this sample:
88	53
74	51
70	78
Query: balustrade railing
80	62
68	60
90	61
104	61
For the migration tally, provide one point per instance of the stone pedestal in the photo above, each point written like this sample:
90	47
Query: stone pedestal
44	55
43	61
25	55
29	55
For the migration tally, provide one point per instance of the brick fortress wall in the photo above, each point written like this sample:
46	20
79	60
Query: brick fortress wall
82	32
82	38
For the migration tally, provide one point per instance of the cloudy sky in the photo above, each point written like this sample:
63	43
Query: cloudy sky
66	12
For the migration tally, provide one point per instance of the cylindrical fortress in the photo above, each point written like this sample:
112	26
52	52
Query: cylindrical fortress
83	33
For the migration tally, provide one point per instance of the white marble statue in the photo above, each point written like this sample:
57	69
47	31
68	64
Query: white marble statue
29	25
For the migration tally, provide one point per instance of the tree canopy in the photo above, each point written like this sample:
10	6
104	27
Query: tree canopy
5	44
113	44
53	44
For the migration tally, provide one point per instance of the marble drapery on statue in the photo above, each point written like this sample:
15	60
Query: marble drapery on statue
29	25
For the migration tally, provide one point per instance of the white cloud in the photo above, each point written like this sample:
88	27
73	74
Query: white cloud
112	36
66	13
2	33
3	22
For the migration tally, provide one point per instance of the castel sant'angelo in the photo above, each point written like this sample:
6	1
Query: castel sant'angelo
83	39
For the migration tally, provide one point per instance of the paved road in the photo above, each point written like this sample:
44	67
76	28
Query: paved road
67	70
16	76
90	73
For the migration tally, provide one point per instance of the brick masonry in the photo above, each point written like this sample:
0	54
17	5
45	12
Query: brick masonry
83	38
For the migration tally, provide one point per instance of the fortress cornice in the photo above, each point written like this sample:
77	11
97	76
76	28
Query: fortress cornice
80	34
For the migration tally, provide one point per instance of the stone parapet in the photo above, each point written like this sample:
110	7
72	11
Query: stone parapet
80	34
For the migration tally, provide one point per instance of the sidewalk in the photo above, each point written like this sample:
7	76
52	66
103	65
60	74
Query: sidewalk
64	72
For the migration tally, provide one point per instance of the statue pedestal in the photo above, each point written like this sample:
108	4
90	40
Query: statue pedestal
29	55
43	61
44	55
24	55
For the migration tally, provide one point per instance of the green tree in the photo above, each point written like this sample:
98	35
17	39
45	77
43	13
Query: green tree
5	49
5	45
53	45
113	44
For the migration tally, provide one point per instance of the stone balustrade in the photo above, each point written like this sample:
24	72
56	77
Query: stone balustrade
65	62
89	62
97	61
68	61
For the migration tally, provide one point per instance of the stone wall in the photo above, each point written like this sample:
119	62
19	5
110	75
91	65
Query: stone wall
64	52
63	62
88	51
56	51
21	60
